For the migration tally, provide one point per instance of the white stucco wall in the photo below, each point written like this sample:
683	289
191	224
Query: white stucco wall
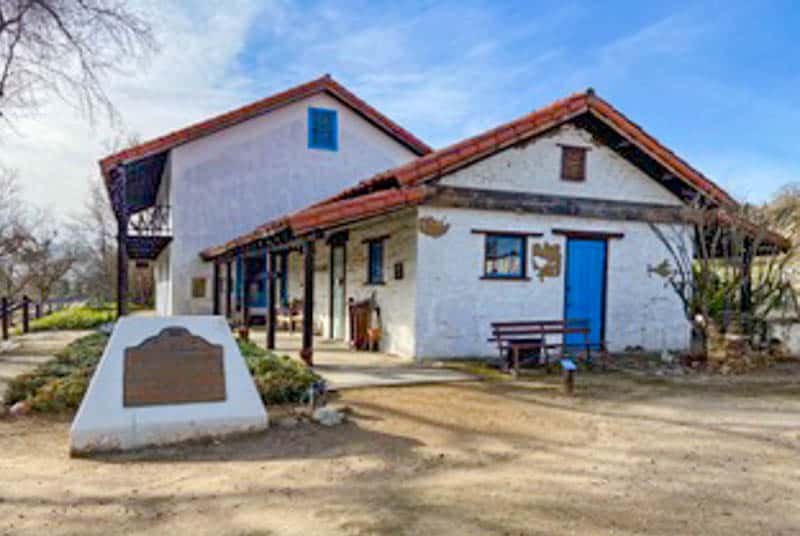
230	182
536	167
163	283
395	298
454	306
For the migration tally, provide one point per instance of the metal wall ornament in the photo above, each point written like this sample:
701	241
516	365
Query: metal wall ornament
430	226
546	260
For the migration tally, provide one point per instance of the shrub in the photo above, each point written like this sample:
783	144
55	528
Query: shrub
279	379
81	317
60	384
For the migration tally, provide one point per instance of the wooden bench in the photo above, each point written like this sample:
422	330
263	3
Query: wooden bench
512	338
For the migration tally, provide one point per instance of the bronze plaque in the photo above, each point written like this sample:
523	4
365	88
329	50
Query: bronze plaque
174	367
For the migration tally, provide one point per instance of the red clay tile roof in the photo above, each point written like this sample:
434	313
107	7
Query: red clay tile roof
384	191
322	216
209	126
448	159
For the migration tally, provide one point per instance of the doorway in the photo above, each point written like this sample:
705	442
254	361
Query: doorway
585	289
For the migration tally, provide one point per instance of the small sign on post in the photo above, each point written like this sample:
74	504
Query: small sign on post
568	369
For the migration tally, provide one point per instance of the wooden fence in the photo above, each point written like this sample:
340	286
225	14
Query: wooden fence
23	309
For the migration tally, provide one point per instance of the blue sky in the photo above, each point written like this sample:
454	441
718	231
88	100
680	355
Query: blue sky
718	82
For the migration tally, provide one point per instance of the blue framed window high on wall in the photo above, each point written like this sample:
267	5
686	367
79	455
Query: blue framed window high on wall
375	262
323	129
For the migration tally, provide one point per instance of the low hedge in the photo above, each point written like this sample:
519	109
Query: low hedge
279	379
59	384
78	317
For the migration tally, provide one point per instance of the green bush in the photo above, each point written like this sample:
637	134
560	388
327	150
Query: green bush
80	317
60	384
279	379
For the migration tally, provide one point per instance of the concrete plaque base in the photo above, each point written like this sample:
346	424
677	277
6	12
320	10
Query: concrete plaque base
105	423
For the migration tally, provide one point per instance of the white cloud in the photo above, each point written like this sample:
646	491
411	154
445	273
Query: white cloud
56	151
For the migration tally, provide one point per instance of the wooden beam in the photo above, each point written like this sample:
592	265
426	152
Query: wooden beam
590	235
307	353
122	241
215	285
4	313
272	276
228	288
507	233
26	314
584	207
245	293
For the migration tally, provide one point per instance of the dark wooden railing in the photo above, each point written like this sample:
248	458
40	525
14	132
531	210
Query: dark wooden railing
22	308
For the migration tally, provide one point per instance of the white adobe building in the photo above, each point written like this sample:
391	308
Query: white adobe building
546	217
203	184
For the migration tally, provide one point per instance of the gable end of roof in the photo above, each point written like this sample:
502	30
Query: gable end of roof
220	122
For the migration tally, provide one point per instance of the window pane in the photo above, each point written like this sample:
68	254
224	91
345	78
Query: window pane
375	262
573	163
322	129
198	287
504	256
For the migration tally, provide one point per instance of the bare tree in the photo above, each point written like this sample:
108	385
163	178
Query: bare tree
14	233
10	213
95	232
728	268
65	48
46	261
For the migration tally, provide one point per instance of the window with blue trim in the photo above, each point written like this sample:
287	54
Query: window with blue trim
504	256
375	262
322	129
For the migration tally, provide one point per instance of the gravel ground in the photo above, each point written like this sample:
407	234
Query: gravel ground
626	455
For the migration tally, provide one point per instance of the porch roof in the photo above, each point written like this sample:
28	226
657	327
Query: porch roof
323	216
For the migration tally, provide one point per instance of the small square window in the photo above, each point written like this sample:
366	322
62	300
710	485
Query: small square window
375	262
198	287
504	256
322	129
573	163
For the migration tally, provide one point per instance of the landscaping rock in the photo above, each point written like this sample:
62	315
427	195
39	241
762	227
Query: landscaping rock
327	416
23	407
288	422
107	328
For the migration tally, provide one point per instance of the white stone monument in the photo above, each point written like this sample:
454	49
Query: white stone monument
163	380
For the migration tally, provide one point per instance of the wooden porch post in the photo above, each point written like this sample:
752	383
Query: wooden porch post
307	353
121	207
228	289
26	314
272	276
215	286
245	293
4	315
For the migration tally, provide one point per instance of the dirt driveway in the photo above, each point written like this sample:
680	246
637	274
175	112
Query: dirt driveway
625	456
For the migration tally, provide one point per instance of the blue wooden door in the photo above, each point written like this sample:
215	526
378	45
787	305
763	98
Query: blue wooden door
585	286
